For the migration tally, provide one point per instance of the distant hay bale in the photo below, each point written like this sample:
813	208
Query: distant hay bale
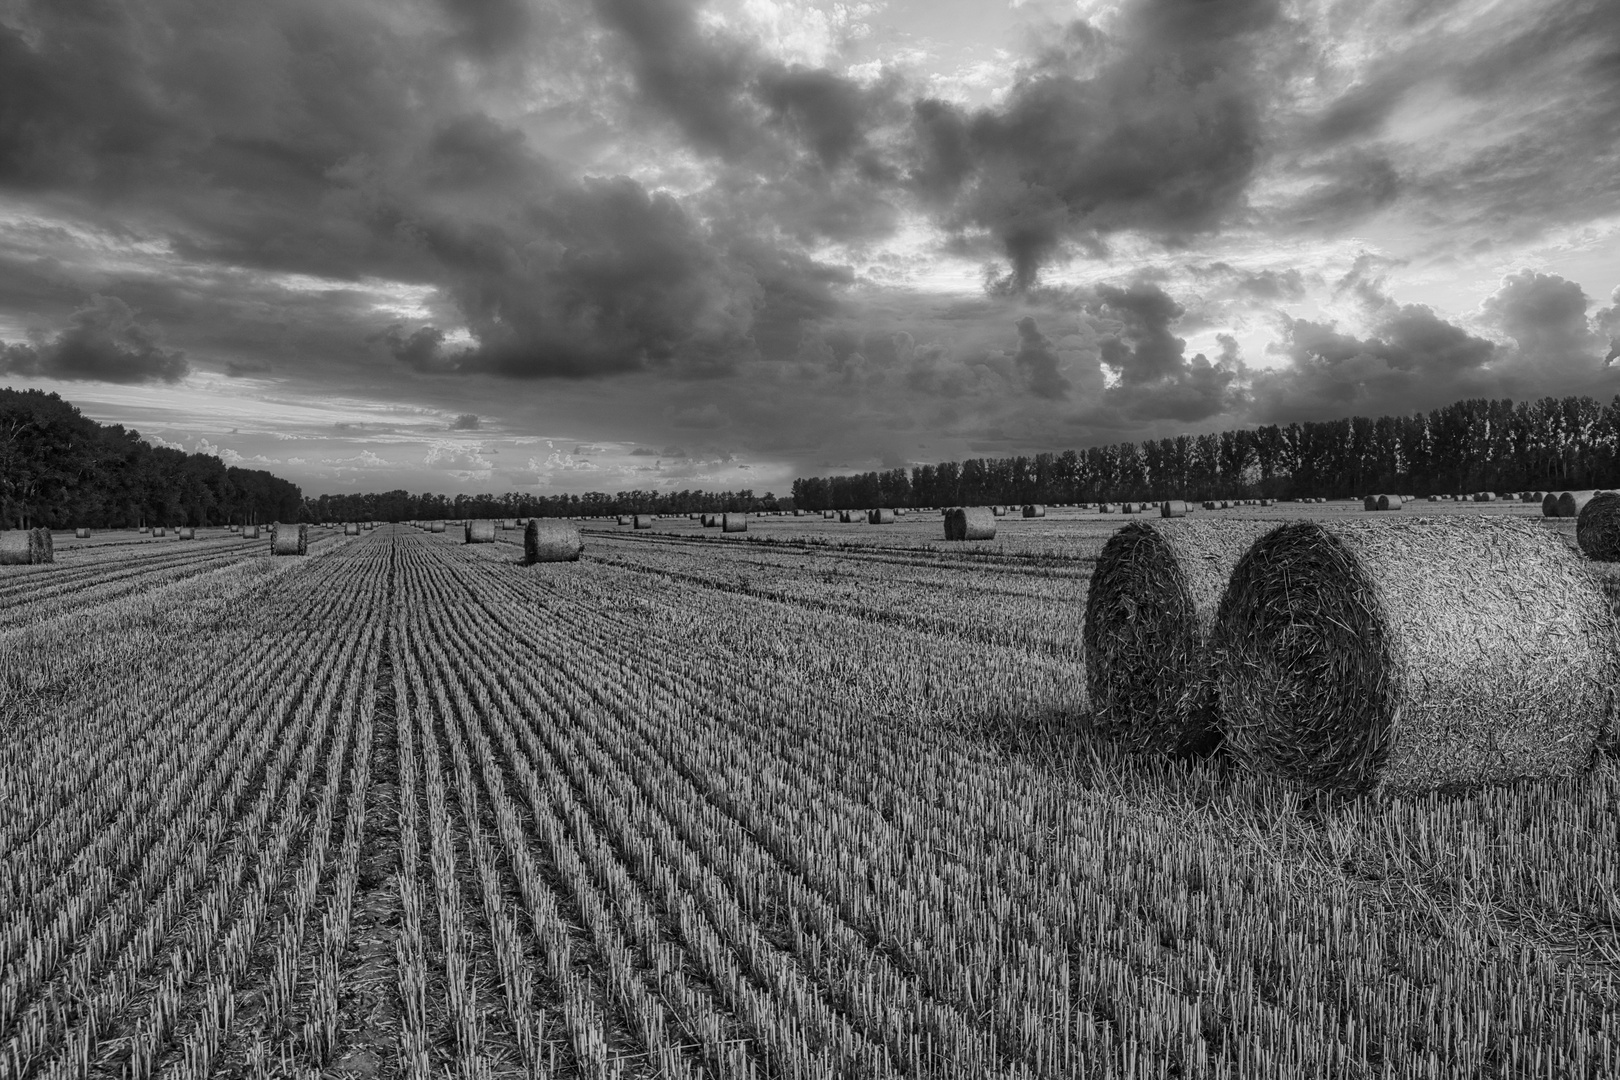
998	511
1268	502
1034	510
1370	502
288	539
481	531
186	533
160	531
1127	508
711	521
351	528
1549	504
899	511
81	534
1209	504
435	526
250	532
1107	508
641	521
829	515
625	519
1571	502
1151	605
798	513
1412	655
1597	527
734	523
880	516
970	523
1173	508
1389	502
551	540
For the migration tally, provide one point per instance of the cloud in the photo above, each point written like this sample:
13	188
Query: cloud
1155	127
225	454
643	451
455	457
365	459
704	417
1545	314
1039	362
465	422
242	369
103	343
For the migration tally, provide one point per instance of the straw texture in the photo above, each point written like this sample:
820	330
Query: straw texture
81	534
1405	656
351	528
882	516
1173	508
551	540
1149	611
1571	502
479	532
642	521
970	523
734	523
1032	510
26	547
435	526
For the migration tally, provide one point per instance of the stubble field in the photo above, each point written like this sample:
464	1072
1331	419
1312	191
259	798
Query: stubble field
815	800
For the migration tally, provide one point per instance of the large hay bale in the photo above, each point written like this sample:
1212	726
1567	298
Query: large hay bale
1597	527
998	511
880	516
1370	502
288	539
734	523
1173	508
1412	655
1549	504
1571	502
551	540
26	547
250	532
435	526
81	534
1390	502
351	528
641	521
624	519
1034	510
970	523
1148	615
481	531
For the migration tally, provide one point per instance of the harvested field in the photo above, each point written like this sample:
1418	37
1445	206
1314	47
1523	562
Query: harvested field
809	800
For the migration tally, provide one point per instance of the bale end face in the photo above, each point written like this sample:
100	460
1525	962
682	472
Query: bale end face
734	523
880	517
288	539
970	523
551	541
1173	508
642	521
1597	527
1405	656
479	532
1034	510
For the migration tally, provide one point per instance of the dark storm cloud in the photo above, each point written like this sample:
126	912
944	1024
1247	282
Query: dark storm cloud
1413	359
1134	326
1157	130
242	369
466	422
1039	362
105	343
1266	285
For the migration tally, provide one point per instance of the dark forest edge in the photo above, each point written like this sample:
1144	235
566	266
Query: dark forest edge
59	469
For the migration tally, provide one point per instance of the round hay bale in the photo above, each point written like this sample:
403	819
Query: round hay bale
288	539
1549	504
1370	502
798	513
186	533
829	515
734	523
711	521
1412	655
1034	510
1107	508
26	547
1571	502
970	523
881	516
998	511
81	534
641	521
1173	508
479	532
551	540
1151	604
351	528
1127	508
624	519
1597	527
250	532
899	511
435	526
161	530
1389	502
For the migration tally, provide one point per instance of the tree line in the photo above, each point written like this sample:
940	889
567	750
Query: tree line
60	469
1464	447
403	506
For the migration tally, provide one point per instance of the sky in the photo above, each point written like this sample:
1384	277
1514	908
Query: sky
596	245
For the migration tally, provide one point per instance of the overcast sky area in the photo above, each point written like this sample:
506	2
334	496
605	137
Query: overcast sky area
485	245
